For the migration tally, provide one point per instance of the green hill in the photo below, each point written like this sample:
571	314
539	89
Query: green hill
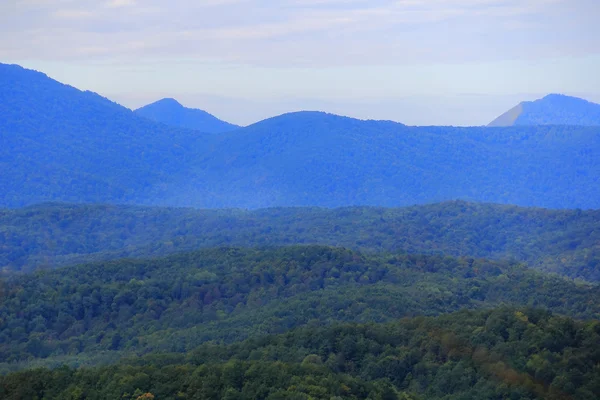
494	354
102	311
561	241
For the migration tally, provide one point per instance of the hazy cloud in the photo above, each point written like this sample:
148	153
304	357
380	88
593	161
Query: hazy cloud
120	3
293	32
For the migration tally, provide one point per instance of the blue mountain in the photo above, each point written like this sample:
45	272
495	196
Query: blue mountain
57	142
554	109
170	112
314	158
61	144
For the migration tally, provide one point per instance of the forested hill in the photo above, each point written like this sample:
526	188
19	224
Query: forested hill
170	112
562	241
99	312
494	354
554	109
62	144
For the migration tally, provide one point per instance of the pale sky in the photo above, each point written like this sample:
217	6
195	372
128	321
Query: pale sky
420	62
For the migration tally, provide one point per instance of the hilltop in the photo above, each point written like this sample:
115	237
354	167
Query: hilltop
313	158
60	143
170	112
554	109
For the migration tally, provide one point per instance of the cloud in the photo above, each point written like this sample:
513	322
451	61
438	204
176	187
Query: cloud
121	3
301	32
72	14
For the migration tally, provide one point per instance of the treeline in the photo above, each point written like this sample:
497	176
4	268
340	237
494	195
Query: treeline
560	241
504	353
77	314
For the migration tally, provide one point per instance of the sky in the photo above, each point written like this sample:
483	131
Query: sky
420	62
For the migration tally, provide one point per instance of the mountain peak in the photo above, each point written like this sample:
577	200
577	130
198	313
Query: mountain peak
169	111
552	109
168	101
563	99
312	118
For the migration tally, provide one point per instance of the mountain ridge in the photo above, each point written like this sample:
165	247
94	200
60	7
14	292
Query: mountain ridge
172	113
552	109
65	144
71	146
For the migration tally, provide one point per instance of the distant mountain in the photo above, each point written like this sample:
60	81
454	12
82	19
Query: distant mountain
60	144
57	142
554	109
312	158
171	113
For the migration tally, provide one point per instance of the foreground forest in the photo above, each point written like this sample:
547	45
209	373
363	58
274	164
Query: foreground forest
313	303
566	242
101	312
504	353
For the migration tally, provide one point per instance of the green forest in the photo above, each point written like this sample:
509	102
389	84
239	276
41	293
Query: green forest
566	242
505	353
86	313
453	300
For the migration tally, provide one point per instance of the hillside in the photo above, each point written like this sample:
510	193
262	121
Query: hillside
95	311
504	353
62	144
561	241
309	158
554	109
172	113
59	143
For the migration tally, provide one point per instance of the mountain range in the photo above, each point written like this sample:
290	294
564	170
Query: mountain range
62	144
342	298
170	112
554	109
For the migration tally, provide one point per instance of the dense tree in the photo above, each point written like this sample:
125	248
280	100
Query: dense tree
563	241
97	312
504	353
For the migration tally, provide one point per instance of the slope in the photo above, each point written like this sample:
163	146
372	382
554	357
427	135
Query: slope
561	241
554	109
310	158
58	143
504	353
172	113
179	302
